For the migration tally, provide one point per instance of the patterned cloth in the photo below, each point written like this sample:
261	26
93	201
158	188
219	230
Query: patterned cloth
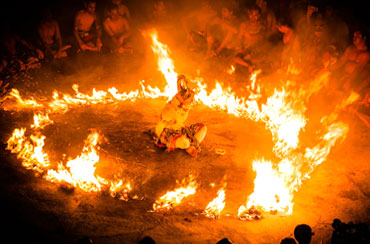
169	136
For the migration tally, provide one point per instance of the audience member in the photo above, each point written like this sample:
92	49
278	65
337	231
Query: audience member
118	30
87	30
51	40
303	234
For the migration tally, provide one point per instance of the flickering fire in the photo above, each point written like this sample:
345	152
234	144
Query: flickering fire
80	171
215	207
29	151
283	114
171	199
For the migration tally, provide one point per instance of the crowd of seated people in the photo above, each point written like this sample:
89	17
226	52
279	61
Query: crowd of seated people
299	41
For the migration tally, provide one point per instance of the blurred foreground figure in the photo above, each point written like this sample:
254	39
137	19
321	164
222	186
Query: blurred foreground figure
87	31
303	234
171	132
349	233
51	40
224	241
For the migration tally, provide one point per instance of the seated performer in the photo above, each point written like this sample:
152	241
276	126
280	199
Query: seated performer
88	38
171	132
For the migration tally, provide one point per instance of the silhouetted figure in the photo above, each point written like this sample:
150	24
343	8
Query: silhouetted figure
147	240
303	234
288	240
224	241
349	233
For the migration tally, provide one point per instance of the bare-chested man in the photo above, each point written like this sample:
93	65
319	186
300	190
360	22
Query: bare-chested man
222	33
268	16
51	40
355	58
291	49
118	29
121	8
87	30
195	26
251	33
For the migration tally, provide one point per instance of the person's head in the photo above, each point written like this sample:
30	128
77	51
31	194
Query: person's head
262	4
303	234
113	13
117	2
159	5
254	14
226	13
90	6
46	14
147	240
224	241
359	40
329	11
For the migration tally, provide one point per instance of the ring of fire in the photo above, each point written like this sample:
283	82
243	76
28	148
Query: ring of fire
283	115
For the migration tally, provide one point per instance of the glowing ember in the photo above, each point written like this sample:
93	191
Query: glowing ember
173	198
119	190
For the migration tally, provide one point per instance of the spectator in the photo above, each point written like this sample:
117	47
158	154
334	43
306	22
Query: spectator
303	234
118	30
87	30
51	40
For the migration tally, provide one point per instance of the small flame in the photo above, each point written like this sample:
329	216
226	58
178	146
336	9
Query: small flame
215	207
119	190
173	198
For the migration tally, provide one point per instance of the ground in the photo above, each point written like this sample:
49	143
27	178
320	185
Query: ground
43	212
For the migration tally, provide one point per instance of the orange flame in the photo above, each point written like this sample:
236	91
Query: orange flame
215	207
81	171
173	198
